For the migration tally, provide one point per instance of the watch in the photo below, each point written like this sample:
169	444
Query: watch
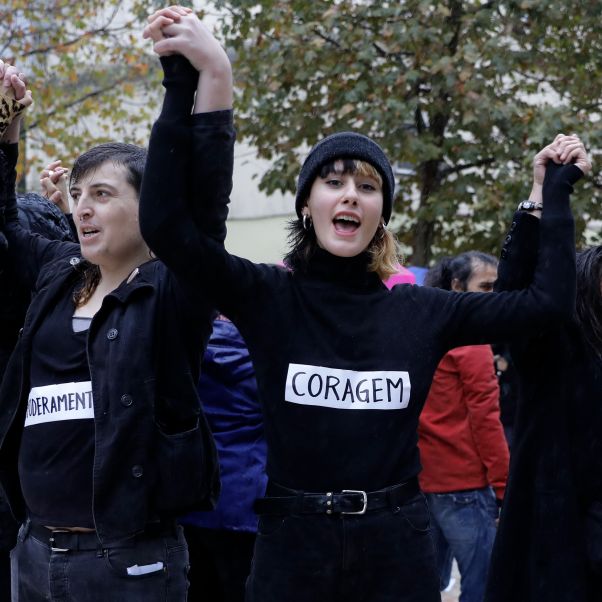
530	206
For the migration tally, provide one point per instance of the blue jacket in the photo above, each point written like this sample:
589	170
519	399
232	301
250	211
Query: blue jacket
228	391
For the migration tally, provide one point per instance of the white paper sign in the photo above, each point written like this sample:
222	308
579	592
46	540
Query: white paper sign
347	389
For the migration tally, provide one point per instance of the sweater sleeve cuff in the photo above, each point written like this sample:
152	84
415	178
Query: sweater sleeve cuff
223	117
180	81
178	72
557	188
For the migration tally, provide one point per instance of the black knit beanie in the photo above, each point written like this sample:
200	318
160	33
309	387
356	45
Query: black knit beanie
345	145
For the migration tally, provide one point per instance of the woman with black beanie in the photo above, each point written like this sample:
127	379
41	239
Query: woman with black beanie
343	365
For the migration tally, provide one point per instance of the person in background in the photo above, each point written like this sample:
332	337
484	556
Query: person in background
401	276
463	451
549	541
220	543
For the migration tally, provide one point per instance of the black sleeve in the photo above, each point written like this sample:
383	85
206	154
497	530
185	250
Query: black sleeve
518	257
176	187
474	318
27	253
184	199
3	250
9	153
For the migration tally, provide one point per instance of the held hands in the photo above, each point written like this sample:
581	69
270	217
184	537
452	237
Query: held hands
53	180
564	150
177	30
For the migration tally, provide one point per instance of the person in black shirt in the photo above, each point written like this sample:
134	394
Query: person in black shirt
343	365
549	541
103	441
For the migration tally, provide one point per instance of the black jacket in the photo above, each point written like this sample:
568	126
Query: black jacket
154	454
38	215
555	477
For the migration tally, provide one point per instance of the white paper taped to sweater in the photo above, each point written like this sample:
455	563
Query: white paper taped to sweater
53	403
347	389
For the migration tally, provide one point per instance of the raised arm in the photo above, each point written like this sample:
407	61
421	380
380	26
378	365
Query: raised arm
184	198
177	30
26	252
519	254
471	318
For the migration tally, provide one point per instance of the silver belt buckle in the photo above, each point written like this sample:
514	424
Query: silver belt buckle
51	540
364	500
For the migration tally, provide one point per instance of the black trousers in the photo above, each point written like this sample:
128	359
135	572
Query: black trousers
8	540
220	562
381	556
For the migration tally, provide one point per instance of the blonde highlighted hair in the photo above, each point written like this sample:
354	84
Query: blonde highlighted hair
384	252
360	168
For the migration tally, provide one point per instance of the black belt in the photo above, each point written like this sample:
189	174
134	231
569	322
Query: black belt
347	501
61	540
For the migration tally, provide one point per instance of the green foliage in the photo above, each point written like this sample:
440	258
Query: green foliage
88	68
465	91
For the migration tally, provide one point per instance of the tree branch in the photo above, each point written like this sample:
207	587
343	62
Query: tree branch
75	102
85	35
327	38
446	171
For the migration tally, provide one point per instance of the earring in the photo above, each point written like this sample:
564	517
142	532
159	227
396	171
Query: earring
307	223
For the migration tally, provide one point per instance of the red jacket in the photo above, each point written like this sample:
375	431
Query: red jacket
461	439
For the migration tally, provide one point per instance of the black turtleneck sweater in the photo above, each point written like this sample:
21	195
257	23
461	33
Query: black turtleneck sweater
343	365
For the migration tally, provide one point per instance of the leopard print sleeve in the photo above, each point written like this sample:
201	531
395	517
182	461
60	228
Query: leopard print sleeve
9	109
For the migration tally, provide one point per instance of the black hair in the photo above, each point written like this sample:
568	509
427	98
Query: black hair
302	243
460	268
589	296
130	156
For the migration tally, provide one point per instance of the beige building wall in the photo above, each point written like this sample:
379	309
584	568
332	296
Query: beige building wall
256	222
260	240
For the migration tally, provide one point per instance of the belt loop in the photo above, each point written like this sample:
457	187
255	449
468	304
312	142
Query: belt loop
100	552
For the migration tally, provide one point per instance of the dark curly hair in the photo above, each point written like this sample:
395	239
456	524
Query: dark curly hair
460	268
